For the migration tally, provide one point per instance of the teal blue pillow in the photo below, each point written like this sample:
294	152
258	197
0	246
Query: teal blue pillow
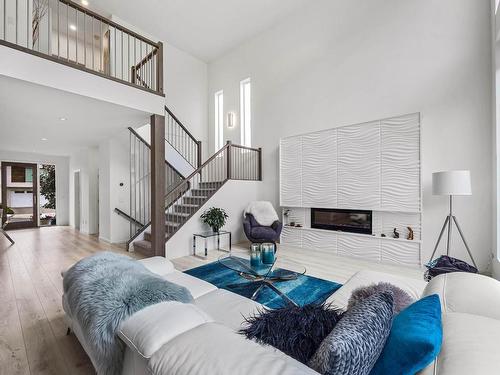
414	341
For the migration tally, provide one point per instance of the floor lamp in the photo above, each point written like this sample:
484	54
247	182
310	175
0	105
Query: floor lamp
451	183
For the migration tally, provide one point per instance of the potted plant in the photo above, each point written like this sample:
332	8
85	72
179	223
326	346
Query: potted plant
215	218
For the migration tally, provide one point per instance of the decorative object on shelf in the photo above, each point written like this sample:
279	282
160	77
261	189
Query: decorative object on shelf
383	235
395	233
255	255
268	250
411	235
215	218
292	224
298	225
451	183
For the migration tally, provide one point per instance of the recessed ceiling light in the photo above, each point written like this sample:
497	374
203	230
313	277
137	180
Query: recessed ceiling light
62	118
44	139
72	27
85	3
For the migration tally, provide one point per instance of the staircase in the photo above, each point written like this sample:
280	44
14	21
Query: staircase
185	195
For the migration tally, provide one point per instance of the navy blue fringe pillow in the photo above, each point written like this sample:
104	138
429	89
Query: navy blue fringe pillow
296	331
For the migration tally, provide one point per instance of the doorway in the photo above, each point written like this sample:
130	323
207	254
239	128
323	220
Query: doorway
76	210
19	195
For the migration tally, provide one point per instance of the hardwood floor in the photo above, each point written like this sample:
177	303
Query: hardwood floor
33	336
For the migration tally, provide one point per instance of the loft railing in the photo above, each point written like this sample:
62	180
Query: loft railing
140	182
182	140
231	162
68	33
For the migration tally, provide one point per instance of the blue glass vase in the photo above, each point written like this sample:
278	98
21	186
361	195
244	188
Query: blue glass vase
267	250
255	255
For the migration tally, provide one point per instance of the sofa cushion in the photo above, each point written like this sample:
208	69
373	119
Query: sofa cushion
470	346
159	265
341	297
295	330
196	286
357	340
467	293
147	330
415	339
227	307
213	348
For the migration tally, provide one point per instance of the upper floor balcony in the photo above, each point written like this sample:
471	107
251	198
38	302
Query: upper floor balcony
68	33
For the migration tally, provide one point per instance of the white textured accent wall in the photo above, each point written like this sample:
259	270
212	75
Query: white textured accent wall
359	166
291	172
370	166
400	163
319	171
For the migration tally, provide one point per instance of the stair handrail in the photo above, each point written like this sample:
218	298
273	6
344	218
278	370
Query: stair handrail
199	169
176	188
181	125
137	135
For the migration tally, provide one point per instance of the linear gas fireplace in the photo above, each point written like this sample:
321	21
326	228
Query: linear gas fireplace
355	221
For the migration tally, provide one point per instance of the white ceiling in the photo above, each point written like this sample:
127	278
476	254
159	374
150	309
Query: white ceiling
30	112
205	28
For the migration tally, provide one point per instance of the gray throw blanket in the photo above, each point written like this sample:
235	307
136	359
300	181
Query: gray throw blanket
105	289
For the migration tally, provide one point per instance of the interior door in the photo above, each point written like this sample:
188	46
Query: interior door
20	195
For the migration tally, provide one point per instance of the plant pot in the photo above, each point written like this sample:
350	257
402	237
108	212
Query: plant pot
216	230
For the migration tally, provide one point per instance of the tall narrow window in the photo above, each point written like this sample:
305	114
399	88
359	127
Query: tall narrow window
219	120
245	113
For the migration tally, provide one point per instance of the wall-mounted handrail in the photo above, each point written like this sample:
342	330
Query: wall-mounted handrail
71	34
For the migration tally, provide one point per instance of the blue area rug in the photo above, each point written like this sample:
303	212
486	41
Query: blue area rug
303	290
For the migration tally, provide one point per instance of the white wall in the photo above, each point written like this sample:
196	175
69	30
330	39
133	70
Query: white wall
342	62
27	67
113	171
86	162
62	173
233	197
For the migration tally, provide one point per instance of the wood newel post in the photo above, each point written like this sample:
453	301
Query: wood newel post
260	163
229	174
159	69
158	188
199	153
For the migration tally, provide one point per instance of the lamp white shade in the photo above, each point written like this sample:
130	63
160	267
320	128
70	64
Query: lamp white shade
451	183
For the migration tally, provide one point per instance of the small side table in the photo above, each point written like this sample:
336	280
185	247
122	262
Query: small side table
207	235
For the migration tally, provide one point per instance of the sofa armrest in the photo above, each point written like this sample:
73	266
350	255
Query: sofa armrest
149	329
468	293
159	265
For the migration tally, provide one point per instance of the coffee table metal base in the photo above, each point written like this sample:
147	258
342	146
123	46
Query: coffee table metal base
265	282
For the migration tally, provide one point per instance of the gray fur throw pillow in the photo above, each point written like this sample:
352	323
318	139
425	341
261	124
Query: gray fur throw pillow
401	298
354	345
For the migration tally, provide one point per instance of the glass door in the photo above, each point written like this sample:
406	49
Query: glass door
19	195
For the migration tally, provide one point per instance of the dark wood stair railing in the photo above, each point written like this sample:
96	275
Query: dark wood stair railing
82	39
231	162
182	140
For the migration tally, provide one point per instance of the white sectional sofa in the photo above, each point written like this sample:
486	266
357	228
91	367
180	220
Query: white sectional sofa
172	338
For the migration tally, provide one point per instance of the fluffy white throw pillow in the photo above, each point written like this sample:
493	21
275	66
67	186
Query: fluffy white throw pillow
263	212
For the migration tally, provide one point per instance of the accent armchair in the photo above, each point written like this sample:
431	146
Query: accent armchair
2	228
256	232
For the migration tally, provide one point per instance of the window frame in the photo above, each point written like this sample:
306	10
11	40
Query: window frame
246	111
218	120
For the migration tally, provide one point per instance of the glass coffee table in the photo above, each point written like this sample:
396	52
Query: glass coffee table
263	275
